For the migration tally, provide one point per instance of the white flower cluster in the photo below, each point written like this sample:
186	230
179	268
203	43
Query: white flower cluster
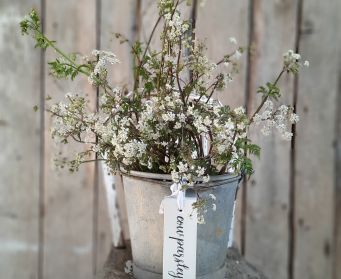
280	118
104	58
292	61
188	174
177	26
68	120
168	121
203	204
200	63
164	118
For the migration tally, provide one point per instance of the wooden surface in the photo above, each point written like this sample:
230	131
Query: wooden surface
272	33
20	146
236	266
69	196
288	220
315	150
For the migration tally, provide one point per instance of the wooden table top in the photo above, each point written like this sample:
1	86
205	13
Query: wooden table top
236	266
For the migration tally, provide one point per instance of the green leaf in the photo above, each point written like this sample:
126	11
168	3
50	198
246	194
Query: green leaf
254	149
270	90
149	86
61	69
24	26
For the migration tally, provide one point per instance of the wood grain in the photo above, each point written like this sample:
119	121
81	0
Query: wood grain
20	130
267	233
149	16
69	197
227	19
315	149
117	17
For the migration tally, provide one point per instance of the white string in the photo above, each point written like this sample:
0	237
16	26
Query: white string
177	192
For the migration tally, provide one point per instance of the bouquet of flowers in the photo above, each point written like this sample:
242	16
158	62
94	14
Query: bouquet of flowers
167	120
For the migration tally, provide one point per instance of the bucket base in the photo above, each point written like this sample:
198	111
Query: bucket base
140	273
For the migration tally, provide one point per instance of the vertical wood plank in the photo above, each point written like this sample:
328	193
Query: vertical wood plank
69	197
227	19
116	230
316	138
267	235
117	17
20	144
217	21
149	16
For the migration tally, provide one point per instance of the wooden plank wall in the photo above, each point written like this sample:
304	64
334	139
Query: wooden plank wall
272	33
315	170
55	225
69	198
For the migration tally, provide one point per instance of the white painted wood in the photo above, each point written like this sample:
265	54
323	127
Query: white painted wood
231	233
111	196
104	232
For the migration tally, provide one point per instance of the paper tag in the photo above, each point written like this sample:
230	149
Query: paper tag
180	239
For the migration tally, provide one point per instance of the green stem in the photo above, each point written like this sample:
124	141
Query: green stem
72	63
51	44
266	97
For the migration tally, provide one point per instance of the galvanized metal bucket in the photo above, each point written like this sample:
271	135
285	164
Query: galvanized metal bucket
144	193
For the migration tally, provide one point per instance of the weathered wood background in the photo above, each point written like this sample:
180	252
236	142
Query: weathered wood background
55	225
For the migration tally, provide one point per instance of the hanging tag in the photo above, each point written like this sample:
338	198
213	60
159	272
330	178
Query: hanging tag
180	239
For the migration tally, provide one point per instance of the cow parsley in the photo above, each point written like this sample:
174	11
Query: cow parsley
166	121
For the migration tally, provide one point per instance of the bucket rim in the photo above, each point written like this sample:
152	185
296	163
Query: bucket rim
168	177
